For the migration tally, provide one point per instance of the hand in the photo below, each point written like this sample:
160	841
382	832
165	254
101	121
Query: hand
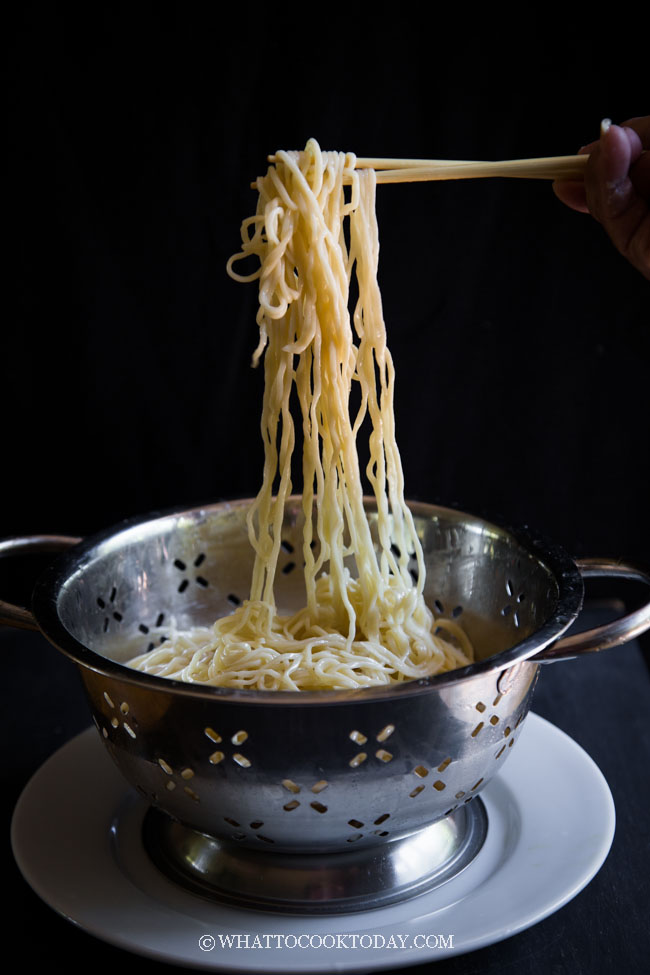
616	188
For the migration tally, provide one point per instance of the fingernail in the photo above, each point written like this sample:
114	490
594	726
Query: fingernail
605	126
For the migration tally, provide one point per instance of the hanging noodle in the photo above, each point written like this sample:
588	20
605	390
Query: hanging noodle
362	627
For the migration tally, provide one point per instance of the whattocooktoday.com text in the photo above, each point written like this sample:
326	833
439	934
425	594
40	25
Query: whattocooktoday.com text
341	942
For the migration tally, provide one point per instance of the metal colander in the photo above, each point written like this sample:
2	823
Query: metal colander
261	776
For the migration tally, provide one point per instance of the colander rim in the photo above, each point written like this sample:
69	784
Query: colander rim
553	557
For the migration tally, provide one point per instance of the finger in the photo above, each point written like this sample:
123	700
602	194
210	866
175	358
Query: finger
588	148
640	125
640	176
572	193
608	188
612	196
638	133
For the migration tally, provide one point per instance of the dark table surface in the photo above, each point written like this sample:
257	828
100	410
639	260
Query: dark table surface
602	701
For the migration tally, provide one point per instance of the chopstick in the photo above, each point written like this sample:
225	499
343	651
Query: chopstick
418	170
550	167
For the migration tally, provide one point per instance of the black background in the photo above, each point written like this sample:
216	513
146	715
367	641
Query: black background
520	336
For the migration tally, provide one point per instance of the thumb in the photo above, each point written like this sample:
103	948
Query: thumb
612	197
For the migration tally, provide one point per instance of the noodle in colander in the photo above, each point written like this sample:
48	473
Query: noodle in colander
365	621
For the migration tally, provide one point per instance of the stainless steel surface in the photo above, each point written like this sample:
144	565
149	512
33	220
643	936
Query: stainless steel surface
21	616
610	634
361	879
310	772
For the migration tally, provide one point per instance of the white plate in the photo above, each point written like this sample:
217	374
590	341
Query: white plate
551	824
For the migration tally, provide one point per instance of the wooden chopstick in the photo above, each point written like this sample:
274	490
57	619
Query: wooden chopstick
552	167
374	163
419	170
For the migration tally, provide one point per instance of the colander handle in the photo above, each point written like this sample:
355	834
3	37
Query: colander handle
610	634
19	616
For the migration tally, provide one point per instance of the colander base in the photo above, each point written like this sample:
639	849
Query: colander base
316	884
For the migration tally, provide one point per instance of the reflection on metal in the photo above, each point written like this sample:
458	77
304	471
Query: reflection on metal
361	879
462	724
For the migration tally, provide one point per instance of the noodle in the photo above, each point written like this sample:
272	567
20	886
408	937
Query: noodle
362	626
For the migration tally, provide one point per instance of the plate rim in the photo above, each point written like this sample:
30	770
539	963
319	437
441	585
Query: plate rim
87	743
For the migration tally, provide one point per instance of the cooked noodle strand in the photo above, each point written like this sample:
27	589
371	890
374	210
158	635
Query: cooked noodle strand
365	621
